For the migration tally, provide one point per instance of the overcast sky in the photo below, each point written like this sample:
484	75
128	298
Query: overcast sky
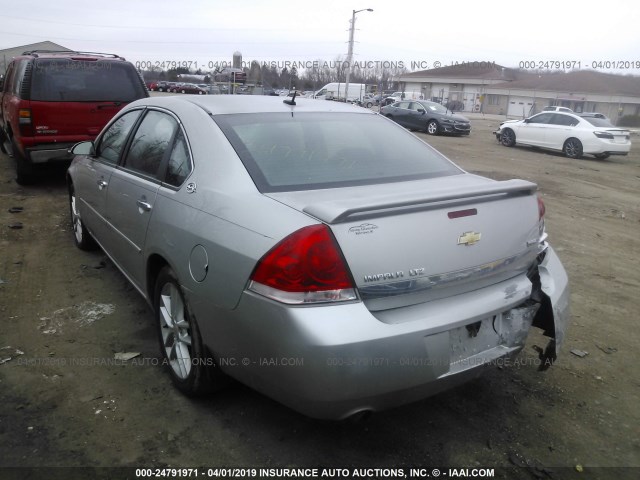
418	33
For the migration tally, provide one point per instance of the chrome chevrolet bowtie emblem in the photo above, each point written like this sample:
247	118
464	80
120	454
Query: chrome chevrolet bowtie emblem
469	238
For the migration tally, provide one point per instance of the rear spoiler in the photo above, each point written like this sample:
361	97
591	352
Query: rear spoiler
337	212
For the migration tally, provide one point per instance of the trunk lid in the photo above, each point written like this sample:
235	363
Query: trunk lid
438	237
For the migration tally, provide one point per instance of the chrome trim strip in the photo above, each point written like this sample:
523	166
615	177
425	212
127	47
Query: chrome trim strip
522	261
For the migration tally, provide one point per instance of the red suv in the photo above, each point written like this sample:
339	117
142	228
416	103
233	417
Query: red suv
52	100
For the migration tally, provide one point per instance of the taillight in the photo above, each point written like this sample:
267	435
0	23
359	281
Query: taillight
541	208
606	135
24	122
305	267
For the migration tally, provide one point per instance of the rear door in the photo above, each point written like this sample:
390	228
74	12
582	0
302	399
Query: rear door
72	99
402	114
559	129
133	189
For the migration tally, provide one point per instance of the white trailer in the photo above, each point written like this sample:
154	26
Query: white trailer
337	91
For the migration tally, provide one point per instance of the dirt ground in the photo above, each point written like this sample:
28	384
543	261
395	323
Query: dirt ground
66	402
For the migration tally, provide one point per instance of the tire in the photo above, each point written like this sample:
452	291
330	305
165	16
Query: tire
160	89
192	371
602	156
508	137
24	169
182	91
432	127
81	237
369	104
572	148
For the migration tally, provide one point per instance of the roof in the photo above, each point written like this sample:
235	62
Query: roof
582	81
8	53
479	70
231	104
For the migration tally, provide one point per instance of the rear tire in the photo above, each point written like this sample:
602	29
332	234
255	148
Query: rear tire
508	137
572	148
24	169
192	371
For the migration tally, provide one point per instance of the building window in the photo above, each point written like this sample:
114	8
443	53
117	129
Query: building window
494	99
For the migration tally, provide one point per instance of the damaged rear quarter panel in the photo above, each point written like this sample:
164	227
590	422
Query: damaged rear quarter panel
555	285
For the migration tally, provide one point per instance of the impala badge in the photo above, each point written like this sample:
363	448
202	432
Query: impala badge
469	238
191	187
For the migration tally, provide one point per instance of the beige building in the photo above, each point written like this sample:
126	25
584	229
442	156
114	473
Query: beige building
491	88
7	54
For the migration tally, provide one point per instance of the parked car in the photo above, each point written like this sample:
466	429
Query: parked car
52	100
152	86
324	255
555	108
163	86
191	88
572	134
428	116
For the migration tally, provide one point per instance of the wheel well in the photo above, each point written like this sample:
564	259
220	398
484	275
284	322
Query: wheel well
571	138
154	265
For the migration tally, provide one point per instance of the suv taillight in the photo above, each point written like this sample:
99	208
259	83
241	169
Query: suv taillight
306	267
24	121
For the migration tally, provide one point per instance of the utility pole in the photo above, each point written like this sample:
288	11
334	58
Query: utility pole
350	51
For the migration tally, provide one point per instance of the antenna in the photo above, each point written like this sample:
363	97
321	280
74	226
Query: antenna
293	99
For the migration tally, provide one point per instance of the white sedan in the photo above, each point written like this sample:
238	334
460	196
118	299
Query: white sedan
570	133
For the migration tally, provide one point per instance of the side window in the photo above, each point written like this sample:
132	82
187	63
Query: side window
114	138
541	118
564	120
179	166
18	77
8	77
150	143
416	106
403	105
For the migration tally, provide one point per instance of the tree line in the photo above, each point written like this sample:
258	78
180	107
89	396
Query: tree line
271	76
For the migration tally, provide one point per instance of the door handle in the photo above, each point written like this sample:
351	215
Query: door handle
143	206
102	184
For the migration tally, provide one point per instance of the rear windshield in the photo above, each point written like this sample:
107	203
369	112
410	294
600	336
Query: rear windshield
65	80
599	122
306	151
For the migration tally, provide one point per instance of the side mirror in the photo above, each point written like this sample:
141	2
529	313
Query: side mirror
527	120
421	110
83	148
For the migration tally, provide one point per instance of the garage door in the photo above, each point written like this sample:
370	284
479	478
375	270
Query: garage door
520	107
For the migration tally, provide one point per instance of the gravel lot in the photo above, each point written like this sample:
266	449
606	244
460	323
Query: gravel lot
65	313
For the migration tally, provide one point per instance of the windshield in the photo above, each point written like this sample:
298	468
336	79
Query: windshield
66	80
433	107
305	151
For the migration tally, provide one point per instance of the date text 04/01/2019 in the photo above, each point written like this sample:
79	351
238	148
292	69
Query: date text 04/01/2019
579	64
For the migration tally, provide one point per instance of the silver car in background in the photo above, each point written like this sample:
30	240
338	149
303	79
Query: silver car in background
315	251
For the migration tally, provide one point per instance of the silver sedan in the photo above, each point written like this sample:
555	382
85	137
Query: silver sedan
315	251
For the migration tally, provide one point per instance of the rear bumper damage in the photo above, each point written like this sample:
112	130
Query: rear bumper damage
553	316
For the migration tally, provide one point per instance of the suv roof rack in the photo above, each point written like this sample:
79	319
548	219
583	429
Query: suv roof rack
71	52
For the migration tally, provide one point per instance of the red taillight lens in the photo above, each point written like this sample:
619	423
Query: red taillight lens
305	267
541	208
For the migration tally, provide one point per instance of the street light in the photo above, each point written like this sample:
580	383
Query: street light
350	52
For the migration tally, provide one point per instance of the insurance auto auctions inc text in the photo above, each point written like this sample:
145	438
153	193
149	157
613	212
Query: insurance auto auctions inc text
351	473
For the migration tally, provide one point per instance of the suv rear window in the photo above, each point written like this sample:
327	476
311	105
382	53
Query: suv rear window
306	151
66	80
